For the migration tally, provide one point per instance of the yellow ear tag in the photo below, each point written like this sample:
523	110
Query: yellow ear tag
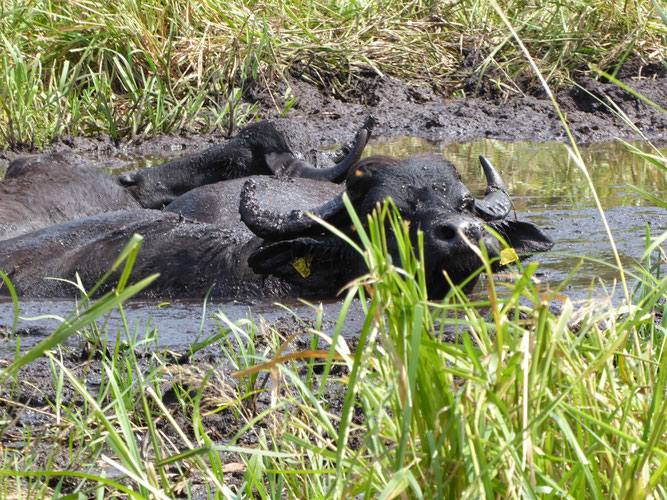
508	255
302	265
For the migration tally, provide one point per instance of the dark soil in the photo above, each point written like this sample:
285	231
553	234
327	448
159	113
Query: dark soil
400	109
416	110
403	109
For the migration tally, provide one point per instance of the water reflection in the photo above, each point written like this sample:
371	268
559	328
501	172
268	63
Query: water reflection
545	173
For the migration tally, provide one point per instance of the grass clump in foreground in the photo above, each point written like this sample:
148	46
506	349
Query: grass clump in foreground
521	402
125	68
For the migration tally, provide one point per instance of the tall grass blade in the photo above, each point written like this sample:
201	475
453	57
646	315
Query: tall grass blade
15	300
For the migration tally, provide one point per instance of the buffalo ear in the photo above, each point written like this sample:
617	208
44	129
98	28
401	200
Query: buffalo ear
312	264
524	237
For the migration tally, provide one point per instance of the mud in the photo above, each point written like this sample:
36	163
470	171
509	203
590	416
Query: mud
400	109
405	109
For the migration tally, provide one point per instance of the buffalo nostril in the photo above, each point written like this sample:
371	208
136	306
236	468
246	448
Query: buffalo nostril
447	231
455	232
128	179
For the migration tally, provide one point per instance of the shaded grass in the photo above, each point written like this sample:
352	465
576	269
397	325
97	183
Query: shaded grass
125	68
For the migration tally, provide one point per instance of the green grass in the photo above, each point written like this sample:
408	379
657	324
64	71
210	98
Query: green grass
506	397
125	68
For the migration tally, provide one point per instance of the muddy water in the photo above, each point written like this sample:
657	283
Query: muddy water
547	188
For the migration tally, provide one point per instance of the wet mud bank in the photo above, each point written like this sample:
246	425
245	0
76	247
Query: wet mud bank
416	110
403	109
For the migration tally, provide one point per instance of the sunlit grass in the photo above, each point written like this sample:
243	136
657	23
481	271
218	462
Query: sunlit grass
509	396
527	402
125	68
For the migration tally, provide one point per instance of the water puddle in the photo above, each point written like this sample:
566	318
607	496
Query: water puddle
546	186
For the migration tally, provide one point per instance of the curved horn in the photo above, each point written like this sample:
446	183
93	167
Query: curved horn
497	203
340	154
272	226
286	164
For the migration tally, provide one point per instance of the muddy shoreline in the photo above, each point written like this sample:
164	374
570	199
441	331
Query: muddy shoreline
415	110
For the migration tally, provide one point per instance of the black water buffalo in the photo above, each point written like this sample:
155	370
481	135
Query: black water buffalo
280	147
191	256
41	190
279	251
428	192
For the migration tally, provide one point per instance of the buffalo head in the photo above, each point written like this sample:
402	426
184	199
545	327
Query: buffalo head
279	147
428	192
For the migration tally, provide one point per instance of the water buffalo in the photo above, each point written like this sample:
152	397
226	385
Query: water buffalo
41	190
428	192
280	147
191	256
278	250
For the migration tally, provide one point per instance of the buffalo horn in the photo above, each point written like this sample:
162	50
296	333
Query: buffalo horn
497	203
286	164
276	226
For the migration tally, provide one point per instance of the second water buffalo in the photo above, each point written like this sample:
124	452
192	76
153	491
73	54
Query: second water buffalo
41	190
274	147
